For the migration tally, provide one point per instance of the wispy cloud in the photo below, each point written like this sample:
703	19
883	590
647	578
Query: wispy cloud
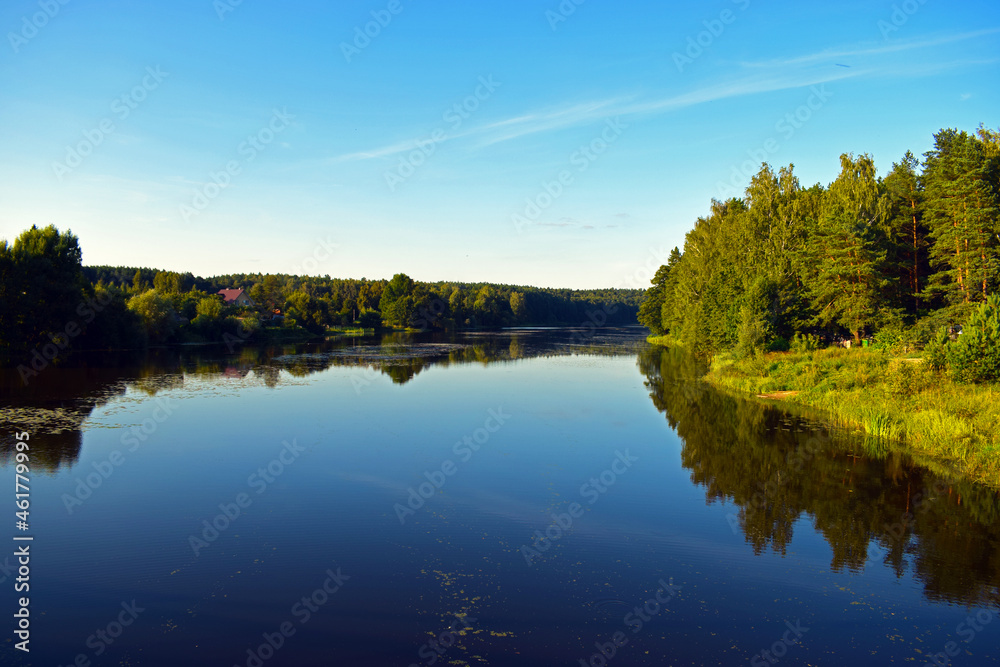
384	151
577	114
759	77
552	119
503	130
737	88
830	55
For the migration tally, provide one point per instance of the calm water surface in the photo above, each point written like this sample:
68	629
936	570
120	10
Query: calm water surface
530	497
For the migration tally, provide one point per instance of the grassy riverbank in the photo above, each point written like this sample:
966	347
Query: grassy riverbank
896	399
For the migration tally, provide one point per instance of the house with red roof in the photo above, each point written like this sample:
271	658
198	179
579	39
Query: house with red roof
236	297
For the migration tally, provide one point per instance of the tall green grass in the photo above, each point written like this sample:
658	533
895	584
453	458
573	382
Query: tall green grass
891	400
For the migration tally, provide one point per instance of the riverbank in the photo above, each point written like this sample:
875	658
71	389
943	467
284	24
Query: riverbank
900	401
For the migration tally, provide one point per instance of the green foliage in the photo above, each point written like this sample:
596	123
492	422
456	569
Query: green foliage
41	287
802	343
975	357
397	303
890	339
936	351
370	319
960	180
210	307
651	310
846	254
752	338
156	313
885	398
308	312
897	257
113	325
757	315
906	378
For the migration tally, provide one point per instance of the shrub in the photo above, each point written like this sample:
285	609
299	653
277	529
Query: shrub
370	319
906	378
779	344
936	351
752	338
802	343
976	355
889	340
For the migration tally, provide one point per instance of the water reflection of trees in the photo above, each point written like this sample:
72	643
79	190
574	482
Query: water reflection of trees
53	406
945	531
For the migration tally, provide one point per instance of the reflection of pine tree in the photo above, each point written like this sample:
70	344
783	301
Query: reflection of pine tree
776	469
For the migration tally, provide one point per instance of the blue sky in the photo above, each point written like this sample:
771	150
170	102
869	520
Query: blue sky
525	142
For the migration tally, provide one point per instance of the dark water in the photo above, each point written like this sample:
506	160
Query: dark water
380	502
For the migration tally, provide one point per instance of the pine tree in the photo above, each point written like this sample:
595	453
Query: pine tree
907	233
846	253
962	219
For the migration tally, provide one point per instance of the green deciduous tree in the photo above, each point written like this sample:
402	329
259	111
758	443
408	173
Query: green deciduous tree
157	314
210	306
651	310
518	308
42	286
396	302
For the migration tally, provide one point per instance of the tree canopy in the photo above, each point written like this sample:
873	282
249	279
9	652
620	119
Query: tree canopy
915	248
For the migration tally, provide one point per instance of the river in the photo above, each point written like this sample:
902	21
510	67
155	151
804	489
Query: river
522	497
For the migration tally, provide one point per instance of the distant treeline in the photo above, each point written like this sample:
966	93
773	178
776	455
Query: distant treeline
322	302
49	302
899	256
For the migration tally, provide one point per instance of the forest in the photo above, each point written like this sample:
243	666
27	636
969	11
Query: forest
895	259
51	303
